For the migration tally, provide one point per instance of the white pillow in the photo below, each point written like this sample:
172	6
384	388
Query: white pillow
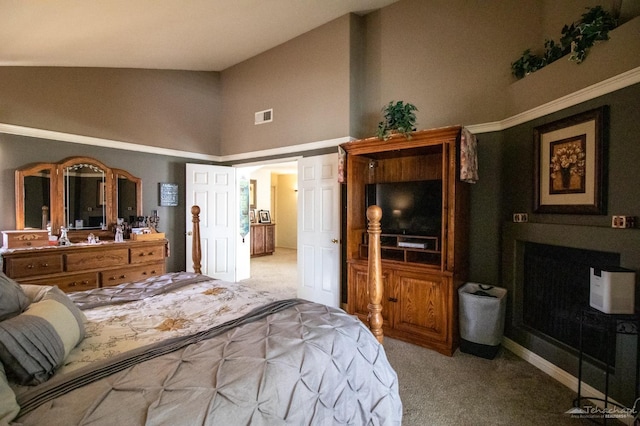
34	292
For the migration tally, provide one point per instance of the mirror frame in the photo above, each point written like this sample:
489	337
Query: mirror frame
56	170
59	194
136	180
32	170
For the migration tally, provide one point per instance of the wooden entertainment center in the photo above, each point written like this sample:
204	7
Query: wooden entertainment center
421	273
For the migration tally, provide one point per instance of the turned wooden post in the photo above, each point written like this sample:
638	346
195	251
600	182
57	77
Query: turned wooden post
374	277
196	251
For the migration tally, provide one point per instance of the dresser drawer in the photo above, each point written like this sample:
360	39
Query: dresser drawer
92	259
147	254
69	283
33	266
126	275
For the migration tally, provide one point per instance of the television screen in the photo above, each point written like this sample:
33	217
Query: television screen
411	208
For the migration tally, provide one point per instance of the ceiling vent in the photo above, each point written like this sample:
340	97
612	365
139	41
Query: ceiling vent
265	116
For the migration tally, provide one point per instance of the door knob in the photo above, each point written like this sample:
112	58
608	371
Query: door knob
334	241
189	234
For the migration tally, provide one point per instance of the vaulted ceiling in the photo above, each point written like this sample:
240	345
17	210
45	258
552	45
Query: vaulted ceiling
203	35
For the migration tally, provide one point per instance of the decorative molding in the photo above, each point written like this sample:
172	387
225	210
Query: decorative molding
287	150
609	85
13	129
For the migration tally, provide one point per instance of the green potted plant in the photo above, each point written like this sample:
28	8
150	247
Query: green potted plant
576	40
399	117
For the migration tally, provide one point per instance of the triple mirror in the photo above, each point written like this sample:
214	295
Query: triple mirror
79	193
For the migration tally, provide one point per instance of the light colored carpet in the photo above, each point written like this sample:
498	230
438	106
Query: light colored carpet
277	273
440	390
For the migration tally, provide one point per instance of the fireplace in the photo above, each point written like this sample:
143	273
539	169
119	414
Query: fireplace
569	250
556	290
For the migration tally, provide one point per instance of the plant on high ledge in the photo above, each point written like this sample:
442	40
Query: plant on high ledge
399	117
576	40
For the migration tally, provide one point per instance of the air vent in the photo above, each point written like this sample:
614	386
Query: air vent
265	116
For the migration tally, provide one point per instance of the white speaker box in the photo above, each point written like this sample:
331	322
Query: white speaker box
612	291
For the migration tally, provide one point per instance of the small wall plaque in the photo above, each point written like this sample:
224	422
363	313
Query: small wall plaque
168	194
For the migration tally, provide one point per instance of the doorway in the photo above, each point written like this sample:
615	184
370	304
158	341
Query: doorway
275	187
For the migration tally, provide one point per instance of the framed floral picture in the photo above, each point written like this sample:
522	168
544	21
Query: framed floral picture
569	164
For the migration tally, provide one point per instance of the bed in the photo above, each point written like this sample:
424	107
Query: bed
183	348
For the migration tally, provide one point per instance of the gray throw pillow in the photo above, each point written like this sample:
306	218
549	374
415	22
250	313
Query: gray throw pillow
36	342
12	298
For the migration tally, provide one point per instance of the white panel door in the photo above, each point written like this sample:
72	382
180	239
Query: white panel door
213	189
319	229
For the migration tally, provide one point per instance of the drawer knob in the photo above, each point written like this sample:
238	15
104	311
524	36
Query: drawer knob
30	266
73	284
392	299
44	265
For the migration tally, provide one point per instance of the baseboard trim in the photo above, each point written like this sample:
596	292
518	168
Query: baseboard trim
557	373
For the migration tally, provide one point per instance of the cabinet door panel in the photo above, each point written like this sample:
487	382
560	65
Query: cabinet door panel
257	240
359	296
422	305
270	238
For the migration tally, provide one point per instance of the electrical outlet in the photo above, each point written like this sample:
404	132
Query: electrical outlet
520	217
623	221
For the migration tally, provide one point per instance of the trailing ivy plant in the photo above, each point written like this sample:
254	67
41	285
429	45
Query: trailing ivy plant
398	116
594	26
526	64
576	39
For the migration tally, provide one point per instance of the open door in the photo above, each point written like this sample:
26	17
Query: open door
319	229
213	189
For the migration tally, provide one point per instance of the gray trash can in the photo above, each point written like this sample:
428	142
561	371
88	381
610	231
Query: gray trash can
482	309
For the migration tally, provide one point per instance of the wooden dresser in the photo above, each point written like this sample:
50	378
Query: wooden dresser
263	239
84	266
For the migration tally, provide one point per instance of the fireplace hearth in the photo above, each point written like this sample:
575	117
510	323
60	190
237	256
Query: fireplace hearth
556	290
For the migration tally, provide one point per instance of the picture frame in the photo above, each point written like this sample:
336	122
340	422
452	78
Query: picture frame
264	216
253	185
167	194
252	216
569	164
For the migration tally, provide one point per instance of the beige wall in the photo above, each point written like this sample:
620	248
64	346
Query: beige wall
286	210
305	81
167	109
450	58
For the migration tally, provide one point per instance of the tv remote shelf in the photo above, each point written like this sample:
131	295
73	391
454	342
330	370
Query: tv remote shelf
406	248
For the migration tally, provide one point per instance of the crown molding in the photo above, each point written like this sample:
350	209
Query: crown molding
287	150
604	87
13	129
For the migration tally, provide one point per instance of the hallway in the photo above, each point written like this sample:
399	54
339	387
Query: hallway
277	273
